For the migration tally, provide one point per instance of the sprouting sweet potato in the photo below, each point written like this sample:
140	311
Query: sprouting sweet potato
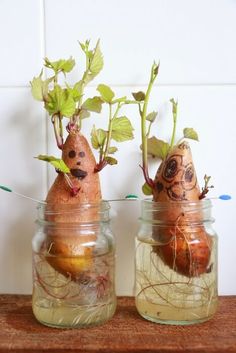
74	200
183	243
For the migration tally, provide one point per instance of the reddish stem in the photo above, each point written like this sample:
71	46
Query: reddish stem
148	180
99	166
58	136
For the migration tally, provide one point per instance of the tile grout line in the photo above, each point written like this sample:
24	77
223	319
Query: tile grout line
43	51
227	84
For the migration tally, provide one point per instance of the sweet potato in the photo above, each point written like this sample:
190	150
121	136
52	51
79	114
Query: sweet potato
186	245
66	248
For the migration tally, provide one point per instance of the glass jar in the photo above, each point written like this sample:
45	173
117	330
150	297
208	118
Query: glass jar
176	262
73	266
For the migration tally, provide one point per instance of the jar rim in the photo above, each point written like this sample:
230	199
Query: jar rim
156	205
46	212
49	209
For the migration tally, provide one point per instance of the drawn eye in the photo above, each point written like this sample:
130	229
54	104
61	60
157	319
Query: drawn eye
189	177
82	154
72	154
171	168
189	174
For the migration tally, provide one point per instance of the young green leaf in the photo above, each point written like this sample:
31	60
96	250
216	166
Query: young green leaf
157	148
106	93
60	65
75	91
147	190
112	150
122	129
84	46
98	137
96	62
93	104
151	117
60	102
39	87
58	163
84	114
174	106
111	160
190	133
139	96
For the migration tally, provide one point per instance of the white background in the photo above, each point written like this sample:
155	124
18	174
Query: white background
195	43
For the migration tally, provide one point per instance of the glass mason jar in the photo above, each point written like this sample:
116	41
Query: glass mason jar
73	266
176	262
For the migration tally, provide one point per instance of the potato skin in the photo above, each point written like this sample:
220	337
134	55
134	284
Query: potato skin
186	245
77	155
66	248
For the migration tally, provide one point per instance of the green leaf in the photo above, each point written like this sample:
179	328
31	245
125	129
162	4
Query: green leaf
190	133
139	96
84	46
122	129
61	102
98	137
75	91
111	160
156	68
84	114
112	150
106	93
58	163
96	61
151	117
39	87
60	65
93	104
147	190
157	148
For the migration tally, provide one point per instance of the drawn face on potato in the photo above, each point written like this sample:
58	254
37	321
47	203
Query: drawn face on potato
77	156
74	161
177	177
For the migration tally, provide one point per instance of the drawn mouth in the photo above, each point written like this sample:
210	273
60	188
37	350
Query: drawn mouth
78	173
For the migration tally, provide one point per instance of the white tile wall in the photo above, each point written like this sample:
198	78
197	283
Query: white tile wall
194	42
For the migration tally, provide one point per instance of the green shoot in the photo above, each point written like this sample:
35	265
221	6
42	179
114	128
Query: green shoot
68	102
119	128
174	112
143	100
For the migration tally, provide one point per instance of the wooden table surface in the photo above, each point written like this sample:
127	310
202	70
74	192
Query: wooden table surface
126	332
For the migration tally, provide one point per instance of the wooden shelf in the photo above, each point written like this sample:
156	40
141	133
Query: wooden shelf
126	332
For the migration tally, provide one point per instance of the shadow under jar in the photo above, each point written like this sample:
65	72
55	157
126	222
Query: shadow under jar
176	262
73	266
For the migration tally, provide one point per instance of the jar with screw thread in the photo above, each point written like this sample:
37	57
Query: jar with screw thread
176	262
73	266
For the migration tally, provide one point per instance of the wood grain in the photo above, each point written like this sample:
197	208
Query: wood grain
126	332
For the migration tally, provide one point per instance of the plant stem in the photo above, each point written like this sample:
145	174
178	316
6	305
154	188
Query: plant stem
108	139
174	111
57	126
143	113
104	151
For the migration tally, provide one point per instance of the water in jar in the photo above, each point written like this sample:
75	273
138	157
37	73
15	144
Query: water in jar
165	296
